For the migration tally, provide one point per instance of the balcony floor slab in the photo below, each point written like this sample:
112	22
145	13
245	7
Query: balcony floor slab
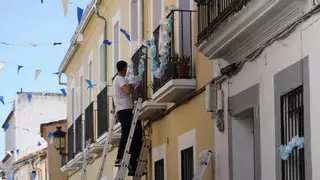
150	108
174	90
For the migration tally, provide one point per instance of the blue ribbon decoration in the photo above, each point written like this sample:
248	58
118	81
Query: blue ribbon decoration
125	33
107	42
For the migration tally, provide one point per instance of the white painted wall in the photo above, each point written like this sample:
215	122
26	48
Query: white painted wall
305	41
43	108
10	135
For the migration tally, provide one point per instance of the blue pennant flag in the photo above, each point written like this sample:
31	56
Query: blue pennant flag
4	43
17	151
63	92
39	143
79	13
6	127
56	43
50	134
107	42
19	67
34	175
90	85
56	73
41	1
29	96
2	100
125	33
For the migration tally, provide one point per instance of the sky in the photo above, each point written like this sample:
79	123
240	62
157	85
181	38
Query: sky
28	21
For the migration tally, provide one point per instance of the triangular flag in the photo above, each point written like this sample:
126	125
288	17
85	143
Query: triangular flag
56	73
2	100
50	134
29	96
39	143
19	67
107	42
80	38
2	64
6	127
9	153
4	43
34	175
57	43
34	45
41	1
79	13
36	74
63	92
125	33
18	151
65	6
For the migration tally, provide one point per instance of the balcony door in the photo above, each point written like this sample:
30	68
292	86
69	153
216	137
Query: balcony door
184	28
243	148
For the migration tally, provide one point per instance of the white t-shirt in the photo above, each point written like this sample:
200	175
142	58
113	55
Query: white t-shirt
121	100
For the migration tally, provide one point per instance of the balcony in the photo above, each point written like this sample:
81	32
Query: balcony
233	29
149	108
71	149
90	128
79	156
103	118
178	79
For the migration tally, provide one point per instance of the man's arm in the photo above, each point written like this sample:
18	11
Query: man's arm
124	87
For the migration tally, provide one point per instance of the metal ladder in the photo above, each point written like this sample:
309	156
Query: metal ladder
85	160
122	171
142	161
205	157
107	145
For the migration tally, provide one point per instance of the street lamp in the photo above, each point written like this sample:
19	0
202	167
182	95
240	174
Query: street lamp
60	140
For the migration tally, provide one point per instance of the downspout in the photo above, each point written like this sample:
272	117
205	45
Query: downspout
34	167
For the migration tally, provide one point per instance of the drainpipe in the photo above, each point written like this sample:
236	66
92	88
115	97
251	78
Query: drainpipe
59	77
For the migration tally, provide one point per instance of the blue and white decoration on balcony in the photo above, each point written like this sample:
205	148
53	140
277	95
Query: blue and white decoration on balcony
158	69
286	150
141	68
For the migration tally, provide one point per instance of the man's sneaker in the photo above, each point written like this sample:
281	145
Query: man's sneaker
132	173
118	163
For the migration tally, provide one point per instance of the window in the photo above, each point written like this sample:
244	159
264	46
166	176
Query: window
134	22
159	170
116	30
102	60
90	78
157	7
81	95
72	105
187	164
292	124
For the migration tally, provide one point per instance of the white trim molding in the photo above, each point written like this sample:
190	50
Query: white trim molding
116	18
159	153
162	15
187	140
90	59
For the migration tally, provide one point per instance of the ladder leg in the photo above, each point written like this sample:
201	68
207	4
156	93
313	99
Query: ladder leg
126	157
106	147
142	161
85	161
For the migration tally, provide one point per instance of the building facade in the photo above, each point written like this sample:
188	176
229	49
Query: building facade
173	110
28	112
265	83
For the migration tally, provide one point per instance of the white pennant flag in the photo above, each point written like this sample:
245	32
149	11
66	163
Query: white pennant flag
2	64
9	153
65	6
80	38
36	74
34	45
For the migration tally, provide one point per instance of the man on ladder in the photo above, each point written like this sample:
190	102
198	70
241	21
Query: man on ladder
121	92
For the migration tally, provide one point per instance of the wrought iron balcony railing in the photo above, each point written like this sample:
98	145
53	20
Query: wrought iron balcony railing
90	121
211	13
79	132
103	112
141	90
70	143
179	64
